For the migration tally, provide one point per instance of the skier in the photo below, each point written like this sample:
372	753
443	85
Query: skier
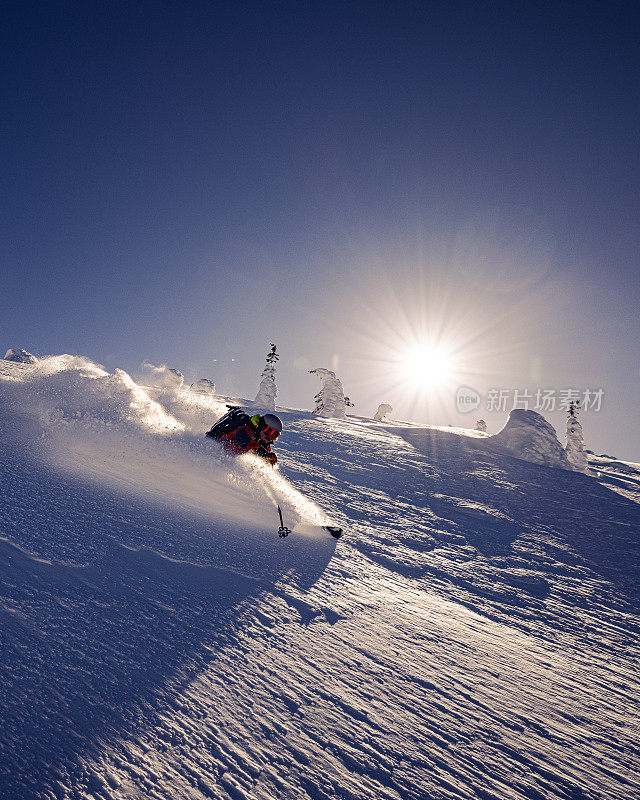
241	433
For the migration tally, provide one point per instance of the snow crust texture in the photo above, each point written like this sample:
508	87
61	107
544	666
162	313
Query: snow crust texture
473	635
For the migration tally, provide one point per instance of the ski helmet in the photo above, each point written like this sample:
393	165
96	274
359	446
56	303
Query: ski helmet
271	425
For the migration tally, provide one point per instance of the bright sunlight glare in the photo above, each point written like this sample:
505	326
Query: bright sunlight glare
428	366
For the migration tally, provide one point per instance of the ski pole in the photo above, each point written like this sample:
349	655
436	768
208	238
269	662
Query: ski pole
282	530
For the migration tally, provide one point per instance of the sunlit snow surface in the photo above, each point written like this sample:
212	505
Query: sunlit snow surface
473	635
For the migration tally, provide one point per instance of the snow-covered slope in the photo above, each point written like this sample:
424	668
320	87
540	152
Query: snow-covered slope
474	635
621	476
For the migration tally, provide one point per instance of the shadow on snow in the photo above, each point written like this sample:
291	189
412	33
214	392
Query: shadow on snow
98	626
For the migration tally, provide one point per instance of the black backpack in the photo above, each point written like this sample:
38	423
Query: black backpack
231	420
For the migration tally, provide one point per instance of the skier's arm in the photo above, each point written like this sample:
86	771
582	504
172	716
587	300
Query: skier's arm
266	453
242	439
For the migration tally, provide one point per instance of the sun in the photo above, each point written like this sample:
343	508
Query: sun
428	366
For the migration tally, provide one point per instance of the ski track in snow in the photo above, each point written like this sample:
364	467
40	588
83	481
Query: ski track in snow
474	635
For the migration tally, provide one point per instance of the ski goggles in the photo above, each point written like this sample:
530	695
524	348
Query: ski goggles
270	433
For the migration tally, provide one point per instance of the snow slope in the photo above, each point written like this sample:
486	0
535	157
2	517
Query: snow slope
474	635
621	476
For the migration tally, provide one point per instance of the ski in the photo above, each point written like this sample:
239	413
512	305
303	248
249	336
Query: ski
313	531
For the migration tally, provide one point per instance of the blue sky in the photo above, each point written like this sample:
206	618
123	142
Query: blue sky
188	182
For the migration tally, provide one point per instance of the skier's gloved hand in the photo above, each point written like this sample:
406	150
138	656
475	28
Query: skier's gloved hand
272	458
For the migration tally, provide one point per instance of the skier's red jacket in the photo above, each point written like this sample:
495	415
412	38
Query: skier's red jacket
243	440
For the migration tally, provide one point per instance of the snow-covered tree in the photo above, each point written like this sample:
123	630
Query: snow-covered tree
574	447
17	354
574	407
528	435
203	386
330	400
319	402
268	391
162	377
383	408
173	379
481	425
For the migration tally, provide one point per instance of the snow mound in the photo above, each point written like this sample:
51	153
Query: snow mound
528	436
19	355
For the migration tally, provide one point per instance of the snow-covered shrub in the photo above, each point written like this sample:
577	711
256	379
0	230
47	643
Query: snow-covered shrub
330	400
481	425
574	447
528	435
383	408
268	391
17	354
203	386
